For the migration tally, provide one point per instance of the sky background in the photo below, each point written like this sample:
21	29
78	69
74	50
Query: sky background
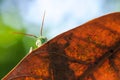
26	16
60	15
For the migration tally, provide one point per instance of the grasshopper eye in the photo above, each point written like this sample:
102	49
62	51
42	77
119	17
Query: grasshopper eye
43	40
38	43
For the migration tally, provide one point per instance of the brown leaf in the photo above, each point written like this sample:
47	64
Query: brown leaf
88	52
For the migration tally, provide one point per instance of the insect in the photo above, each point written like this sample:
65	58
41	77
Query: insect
88	52
39	40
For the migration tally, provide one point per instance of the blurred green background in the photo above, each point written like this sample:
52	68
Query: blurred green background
26	16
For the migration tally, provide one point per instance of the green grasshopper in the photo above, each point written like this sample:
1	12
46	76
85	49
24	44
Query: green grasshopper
39	40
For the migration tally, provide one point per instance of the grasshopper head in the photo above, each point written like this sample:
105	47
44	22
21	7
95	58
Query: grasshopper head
40	40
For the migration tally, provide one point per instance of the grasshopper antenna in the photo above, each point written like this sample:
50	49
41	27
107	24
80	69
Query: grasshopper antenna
42	24
25	34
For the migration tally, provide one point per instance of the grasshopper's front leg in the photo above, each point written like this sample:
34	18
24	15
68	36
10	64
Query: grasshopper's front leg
30	49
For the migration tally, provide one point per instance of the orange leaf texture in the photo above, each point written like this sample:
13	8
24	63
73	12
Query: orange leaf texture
88	52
